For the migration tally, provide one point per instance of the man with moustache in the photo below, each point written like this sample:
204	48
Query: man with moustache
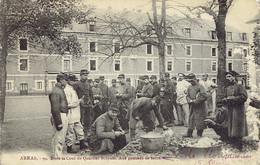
181	100
84	92
123	101
107	135
112	91
74	125
196	97
104	90
59	111
236	96
147	90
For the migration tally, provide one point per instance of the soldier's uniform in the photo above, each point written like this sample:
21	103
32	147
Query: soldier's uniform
97	97
59	119
83	89
104	90
112	91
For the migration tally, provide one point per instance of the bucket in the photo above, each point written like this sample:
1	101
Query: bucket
152	142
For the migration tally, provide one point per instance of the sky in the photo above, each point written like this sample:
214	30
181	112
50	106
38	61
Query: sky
241	10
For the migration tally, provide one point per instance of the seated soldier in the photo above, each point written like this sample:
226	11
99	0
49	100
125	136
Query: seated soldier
107	135
219	122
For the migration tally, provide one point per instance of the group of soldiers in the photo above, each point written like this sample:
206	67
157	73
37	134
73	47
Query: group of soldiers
90	111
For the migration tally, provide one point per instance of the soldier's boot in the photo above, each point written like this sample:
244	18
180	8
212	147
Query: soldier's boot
70	150
82	145
132	134
199	132
189	133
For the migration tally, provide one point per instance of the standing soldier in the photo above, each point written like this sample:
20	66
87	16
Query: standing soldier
74	126
112	91
123	101
97	97
59	111
147	90
84	91
236	97
182	104
128	81
156	86
174	98
211	93
140	84
104	90
196	97
168	93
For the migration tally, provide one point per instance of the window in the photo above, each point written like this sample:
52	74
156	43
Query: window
9	85
92	46
117	47
213	52
23	44
213	66
169	49
213	35
92	26
149	65
229	36
148	49
230	66
229	52
245	66
187	32
148	30
117	65
244	36
39	84
93	65
188	66
67	65
169	66
245	52
188	50
23	64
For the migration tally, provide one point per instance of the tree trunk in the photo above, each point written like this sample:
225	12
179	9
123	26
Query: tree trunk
221	34
161	50
3	56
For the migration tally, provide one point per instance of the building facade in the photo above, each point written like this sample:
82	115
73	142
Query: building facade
33	71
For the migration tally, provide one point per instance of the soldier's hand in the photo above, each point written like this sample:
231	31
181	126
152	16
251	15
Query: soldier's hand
118	133
59	127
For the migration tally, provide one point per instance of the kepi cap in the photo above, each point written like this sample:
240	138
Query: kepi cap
84	71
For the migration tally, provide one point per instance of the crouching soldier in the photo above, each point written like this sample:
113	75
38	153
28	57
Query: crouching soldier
106	133
59	113
142	110
219	122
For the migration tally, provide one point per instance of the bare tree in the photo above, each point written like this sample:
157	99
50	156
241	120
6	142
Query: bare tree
41	21
218	9
135	29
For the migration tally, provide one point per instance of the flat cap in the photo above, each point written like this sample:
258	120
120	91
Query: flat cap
71	77
153	77
84	71
121	76
102	77
166	74
191	76
96	80
233	73
128	80
145	77
113	80
113	107
62	75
